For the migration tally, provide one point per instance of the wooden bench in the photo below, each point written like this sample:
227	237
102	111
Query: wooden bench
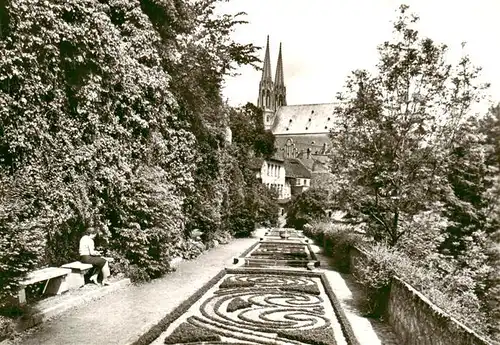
55	278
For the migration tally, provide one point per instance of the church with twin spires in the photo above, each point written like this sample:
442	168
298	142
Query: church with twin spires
302	130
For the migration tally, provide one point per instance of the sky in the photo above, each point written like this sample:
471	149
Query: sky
324	40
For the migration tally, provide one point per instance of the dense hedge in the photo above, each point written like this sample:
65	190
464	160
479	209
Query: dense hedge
439	282
336	239
106	120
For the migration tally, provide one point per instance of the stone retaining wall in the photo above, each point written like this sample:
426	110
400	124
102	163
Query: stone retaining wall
418	321
355	256
415	319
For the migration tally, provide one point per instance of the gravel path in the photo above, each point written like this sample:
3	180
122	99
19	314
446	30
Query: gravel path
121	317
349	293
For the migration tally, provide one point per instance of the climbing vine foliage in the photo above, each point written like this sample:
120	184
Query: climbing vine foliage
97	128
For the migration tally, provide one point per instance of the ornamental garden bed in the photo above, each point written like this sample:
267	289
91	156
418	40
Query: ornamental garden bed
285	232
245	306
279	253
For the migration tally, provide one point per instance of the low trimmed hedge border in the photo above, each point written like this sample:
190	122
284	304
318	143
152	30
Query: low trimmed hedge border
315	336
189	333
237	304
345	325
339	312
165	322
148	337
249	249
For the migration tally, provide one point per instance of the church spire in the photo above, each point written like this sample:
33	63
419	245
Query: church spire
266	70
279	83
266	86
279	80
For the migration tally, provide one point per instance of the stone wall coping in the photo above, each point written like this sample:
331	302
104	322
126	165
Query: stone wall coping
360	249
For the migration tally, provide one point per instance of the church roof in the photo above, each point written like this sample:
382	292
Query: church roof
294	168
304	119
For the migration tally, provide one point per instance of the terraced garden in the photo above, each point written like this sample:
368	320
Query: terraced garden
286	302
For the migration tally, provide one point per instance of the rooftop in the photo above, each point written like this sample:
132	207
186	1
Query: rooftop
305	118
294	168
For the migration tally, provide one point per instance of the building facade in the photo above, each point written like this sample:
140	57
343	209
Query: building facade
273	175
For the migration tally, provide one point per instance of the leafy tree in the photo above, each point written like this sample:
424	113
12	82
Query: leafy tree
490	127
262	203
395	127
467	181
307	206
491	197
197	52
247	126
250	141
470	201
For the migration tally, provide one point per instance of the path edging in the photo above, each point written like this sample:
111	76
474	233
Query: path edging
58	309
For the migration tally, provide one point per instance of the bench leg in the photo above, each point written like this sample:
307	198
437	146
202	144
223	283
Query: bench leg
76	279
22	296
56	286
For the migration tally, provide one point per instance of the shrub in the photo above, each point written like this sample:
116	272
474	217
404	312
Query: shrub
341	238
7	327
306	207
337	239
450	288
22	236
151	233
375	274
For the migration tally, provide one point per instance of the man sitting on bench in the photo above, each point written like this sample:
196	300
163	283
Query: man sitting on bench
88	255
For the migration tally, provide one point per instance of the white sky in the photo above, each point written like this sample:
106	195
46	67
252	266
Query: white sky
324	40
